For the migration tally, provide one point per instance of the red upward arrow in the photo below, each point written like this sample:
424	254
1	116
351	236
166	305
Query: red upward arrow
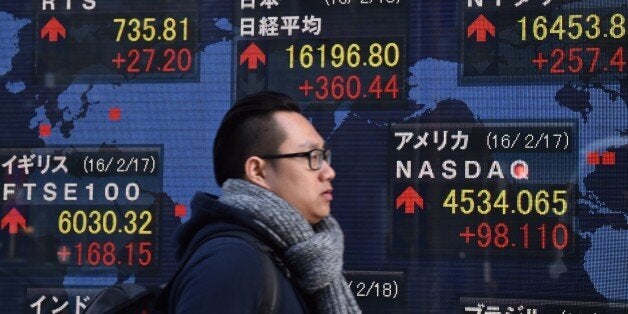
13	219
481	26
252	54
53	29
408	198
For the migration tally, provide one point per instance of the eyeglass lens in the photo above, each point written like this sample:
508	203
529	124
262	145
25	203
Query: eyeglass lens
317	157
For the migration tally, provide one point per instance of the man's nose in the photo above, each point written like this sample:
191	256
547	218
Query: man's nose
327	172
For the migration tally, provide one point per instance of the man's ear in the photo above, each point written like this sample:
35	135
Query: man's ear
255	171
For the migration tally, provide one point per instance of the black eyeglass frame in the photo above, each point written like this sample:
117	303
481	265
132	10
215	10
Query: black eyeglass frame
326	157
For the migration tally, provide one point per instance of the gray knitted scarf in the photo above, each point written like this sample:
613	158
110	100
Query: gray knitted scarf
312	253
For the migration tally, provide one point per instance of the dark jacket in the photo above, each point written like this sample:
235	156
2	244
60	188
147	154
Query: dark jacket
226	274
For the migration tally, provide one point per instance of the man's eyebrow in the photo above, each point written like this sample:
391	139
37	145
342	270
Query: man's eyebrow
312	145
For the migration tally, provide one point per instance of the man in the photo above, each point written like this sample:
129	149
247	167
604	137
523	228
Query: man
275	174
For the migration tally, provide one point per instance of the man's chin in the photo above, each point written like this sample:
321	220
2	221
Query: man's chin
317	217
324	214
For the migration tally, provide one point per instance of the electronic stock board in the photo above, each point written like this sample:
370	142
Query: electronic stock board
480	146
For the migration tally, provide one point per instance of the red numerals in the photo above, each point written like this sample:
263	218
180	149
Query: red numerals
578	60
617	60
106	254
351	88
142	249
501	236
391	87
150	60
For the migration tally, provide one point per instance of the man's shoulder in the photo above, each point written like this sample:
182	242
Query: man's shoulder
233	249
221	262
216	270
227	263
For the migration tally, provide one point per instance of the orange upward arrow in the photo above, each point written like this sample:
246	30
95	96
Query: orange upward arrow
14	219
53	29
481	26
408	198
252	54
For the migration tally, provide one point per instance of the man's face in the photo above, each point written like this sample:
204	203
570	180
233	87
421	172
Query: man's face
292	179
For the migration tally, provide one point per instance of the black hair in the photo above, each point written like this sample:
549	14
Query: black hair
249	129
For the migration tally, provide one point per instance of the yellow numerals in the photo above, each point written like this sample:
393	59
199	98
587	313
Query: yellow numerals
471	200
541	202
574	27
617	29
131	226
341	55
97	222
149	29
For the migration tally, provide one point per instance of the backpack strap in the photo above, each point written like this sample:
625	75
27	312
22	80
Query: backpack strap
270	295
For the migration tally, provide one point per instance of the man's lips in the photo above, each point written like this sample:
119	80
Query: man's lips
328	195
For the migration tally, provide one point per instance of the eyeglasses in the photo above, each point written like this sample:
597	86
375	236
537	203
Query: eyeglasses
315	157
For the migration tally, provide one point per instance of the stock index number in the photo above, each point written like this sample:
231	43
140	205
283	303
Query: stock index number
541	202
151	29
107	222
339	55
573	27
